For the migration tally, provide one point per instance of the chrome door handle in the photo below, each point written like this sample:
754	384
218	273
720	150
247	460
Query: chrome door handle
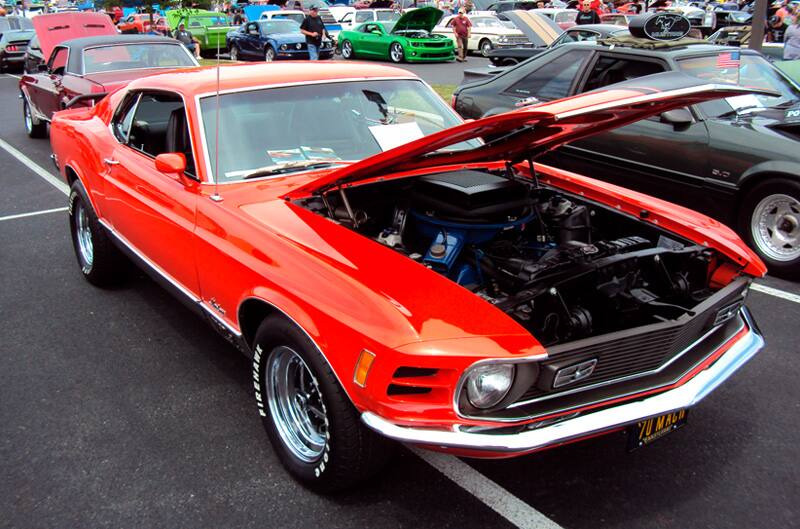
110	161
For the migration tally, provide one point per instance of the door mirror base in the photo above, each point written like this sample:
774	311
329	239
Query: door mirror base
677	117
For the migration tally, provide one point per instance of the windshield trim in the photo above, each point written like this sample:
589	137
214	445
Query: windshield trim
210	178
83	57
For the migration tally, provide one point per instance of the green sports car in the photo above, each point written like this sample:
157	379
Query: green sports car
408	39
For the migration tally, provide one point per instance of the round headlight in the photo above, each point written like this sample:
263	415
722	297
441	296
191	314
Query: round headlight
283	47
298	46
503	38
488	384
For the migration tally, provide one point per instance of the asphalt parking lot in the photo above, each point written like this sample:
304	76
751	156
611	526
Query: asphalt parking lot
121	408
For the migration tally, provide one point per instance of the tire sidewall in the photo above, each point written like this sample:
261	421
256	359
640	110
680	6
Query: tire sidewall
77	200
347	45
786	269
402	53
272	334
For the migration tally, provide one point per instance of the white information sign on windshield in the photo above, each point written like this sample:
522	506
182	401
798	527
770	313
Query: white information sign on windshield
747	100
391	136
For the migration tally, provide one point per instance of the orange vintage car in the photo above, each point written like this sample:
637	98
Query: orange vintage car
141	23
393	276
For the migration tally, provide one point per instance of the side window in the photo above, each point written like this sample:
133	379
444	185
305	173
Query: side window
610	70
553	80
346	18
159	126
584	35
58	61
363	16
121	125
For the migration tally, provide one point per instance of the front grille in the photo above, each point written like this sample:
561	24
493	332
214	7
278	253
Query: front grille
636	352
517	40
435	55
435	44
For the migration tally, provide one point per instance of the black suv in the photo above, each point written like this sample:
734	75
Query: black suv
735	159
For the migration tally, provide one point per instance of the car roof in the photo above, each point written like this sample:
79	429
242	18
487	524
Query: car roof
203	80
82	43
671	49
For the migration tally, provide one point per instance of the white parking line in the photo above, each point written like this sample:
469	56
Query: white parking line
788	296
487	491
14	76
35	167
32	214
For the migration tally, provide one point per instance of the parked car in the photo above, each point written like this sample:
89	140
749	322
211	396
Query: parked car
13	45
511	5
82	71
14	22
141	23
736	159
295	15
320	251
269	40
739	36
339	12
488	32
409	39
617	19
510	57
208	27
565	18
33	58
357	17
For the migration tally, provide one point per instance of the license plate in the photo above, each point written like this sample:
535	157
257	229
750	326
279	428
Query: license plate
647	431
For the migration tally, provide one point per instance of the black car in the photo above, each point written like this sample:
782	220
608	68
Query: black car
15	33
590	32
33	59
736	159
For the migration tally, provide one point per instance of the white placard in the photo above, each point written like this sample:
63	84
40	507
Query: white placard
391	136
747	100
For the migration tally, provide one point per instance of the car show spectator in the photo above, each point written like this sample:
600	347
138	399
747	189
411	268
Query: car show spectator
462	28
313	28
791	41
587	15
187	39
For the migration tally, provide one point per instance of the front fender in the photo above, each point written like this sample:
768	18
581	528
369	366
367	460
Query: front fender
787	168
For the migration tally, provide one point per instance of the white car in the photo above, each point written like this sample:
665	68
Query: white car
339	12
298	16
565	18
359	16
488	32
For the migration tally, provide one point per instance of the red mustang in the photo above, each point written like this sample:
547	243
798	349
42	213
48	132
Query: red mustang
141	23
393	276
83	70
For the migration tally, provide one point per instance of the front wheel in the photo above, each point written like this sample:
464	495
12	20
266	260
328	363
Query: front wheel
269	54
771	225
396	52
234	53
347	50
485	46
34	127
310	421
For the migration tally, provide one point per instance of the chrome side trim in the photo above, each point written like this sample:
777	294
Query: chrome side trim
169	279
590	423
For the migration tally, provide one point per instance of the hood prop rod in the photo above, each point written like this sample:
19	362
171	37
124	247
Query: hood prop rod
347	207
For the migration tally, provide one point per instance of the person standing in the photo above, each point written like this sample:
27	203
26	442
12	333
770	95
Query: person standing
462	29
791	41
587	15
313	28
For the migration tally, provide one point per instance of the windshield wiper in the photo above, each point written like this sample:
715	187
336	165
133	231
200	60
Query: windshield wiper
290	167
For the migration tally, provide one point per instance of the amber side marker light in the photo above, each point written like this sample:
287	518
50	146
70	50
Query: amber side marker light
362	367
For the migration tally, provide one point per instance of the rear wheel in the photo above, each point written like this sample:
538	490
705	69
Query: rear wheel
34	127
396	52
234	53
771	225
310	421
101	263
269	54
347	50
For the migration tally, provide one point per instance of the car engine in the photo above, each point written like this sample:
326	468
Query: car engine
563	267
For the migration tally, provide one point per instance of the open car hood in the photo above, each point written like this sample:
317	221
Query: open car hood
54	29
539	29
528	133
423	18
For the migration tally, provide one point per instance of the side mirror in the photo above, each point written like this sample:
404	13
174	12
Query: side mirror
171	163
677	117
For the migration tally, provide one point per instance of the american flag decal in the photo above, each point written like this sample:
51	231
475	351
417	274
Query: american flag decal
728	60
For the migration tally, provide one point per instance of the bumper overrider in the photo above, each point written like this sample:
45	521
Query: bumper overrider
587	424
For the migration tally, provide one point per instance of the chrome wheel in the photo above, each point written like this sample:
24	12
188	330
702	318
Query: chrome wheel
269	55
296	406
486	47
396	52
234	53
28	118
347	50
84	235
775	226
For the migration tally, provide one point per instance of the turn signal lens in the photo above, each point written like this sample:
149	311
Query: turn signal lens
362	367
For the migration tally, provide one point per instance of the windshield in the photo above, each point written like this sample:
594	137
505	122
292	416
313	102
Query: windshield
754	72
135	57
387	16
330	122
280	26
212	20
486	22
295	17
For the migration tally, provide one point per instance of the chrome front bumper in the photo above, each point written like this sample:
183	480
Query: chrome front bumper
587	424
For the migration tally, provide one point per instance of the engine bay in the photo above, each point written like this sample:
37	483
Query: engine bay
564	267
